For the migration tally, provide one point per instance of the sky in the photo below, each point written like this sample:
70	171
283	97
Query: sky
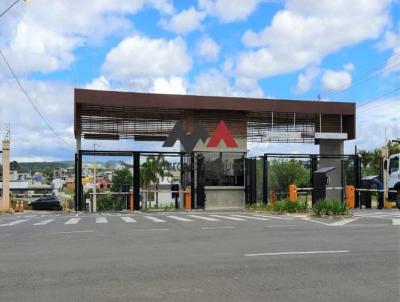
291	49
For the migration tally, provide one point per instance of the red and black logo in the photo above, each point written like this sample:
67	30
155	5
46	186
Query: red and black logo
189	141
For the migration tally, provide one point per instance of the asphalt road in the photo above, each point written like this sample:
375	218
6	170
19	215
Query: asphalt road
109	257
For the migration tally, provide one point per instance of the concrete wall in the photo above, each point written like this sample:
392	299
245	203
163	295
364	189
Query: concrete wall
332	147
224	198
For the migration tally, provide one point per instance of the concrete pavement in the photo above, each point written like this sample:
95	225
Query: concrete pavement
182	257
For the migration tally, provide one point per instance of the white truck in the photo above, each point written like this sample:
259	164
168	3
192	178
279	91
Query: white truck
392	167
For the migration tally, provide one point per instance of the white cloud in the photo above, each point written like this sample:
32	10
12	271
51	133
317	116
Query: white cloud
348	67
208	48
230	10
42	35
391	41
306	79
139	56
100	83
336	80
212	82
30	137
308	30
373	119
184	22
173	85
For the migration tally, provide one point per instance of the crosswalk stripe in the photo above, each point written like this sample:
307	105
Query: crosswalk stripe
14	222
101	220
128	219
252	217
179	218
44	222
72	221
228	217
204	218
396	221
154	219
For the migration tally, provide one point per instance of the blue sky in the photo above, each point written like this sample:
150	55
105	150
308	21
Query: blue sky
294	49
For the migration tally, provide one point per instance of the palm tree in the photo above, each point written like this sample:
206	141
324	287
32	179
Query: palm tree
152	170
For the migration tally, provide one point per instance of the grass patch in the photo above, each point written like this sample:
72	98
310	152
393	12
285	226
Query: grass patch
330	208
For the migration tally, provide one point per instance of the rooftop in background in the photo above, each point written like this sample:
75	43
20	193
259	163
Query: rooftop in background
146	116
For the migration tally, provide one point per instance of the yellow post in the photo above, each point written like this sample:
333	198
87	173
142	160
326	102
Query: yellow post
350	196
292	192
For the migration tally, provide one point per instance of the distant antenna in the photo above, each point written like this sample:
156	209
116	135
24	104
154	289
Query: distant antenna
319	96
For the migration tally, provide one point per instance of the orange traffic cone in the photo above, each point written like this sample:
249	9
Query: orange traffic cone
21	207
16	206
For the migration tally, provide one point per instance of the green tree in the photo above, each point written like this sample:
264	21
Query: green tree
154	168
284	173
121	177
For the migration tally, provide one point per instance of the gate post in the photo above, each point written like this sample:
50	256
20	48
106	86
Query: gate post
136	181
265	179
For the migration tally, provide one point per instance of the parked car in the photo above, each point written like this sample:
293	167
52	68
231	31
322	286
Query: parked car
50	203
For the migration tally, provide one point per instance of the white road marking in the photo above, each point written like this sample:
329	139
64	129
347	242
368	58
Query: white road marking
72	232
334	224
216	228
274	217
150	230
179	218
101	220
72	221
204	218
280	225
396	221
5	235
343	221
228	217
154	219
252	217
44	222
14	222
296	253
128	219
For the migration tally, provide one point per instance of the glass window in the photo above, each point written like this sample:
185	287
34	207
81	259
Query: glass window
394	165
224	169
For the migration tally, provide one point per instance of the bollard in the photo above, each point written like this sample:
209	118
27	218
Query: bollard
350	196
272	197
292	192
188	198
17	206
21	206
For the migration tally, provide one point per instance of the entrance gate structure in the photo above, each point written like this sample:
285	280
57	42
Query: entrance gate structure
220	128
259	176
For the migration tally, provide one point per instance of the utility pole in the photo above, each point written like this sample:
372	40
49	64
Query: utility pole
94	206
5	201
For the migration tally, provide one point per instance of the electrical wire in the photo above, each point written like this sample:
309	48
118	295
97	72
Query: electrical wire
32	103
11	6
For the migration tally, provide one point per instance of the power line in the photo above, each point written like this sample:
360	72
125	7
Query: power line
394	62
31	102
7	9
378	97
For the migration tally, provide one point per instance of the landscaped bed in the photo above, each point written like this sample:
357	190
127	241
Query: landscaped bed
322	208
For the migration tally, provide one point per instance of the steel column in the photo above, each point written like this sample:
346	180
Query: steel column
136	181
265	179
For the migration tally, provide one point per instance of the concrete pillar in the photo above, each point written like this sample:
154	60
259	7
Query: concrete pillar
332	147
5	202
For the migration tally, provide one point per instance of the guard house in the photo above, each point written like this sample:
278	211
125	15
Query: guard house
213	133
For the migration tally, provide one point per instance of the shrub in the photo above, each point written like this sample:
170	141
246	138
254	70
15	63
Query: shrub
330	207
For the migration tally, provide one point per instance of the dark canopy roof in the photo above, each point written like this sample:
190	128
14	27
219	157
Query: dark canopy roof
102	114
